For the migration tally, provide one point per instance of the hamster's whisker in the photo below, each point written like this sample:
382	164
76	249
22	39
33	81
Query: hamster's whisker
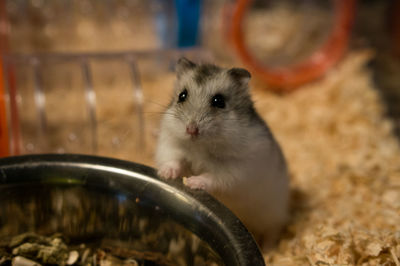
154	114
156	103
173	115
181	113
205	116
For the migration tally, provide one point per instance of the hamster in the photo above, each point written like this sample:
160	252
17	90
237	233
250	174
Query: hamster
212	135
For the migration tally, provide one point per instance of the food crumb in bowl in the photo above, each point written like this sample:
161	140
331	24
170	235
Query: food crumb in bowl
136	230
32	249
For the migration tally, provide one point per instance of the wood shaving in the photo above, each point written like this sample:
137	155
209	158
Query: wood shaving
345	169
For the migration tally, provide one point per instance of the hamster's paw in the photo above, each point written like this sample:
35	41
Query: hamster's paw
170	170
198	182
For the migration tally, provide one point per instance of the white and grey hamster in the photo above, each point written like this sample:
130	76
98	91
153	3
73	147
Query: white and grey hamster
211	134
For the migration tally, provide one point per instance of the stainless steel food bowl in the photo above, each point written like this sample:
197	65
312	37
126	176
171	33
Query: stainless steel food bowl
89	198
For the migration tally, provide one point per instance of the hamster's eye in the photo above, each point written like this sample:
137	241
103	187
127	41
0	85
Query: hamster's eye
218	101
182	96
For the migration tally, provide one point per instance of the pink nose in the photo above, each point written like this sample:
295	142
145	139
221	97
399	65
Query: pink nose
192	130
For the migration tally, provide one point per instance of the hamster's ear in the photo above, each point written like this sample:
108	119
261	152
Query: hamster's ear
240	75
184	65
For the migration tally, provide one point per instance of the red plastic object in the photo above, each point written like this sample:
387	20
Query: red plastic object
289	77
4	149
7	68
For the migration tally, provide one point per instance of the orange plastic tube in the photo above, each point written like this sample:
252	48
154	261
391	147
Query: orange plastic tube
4	147
289	77
4	138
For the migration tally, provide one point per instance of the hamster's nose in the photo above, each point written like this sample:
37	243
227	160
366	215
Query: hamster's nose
192	130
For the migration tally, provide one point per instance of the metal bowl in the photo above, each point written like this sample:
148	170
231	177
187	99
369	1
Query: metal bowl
94	198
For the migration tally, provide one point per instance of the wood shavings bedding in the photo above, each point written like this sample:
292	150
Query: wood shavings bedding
345	169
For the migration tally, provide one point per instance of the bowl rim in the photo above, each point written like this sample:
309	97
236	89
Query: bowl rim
231	240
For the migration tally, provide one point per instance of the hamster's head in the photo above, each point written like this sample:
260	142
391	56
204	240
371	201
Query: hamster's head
209	102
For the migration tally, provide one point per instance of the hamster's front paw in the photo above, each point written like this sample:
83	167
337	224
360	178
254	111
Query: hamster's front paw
170	170
198	182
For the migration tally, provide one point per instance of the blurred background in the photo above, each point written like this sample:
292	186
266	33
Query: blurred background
94	76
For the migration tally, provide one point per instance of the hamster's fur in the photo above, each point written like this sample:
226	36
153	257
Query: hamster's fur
211	134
